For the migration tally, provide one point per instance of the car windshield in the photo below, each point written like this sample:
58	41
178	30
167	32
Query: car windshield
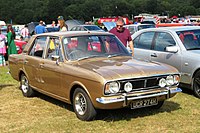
145	26
84	47
92	28
190	39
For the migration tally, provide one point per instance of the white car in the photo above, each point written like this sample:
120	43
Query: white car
176	46
136	27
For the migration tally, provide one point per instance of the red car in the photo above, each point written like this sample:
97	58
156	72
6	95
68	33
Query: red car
20	45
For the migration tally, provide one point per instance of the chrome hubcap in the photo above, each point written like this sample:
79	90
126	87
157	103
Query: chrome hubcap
24	84
80	104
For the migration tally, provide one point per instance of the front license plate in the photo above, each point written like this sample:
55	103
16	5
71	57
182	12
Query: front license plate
144	103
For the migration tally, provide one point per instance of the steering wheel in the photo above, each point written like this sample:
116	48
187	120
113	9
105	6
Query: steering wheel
75	54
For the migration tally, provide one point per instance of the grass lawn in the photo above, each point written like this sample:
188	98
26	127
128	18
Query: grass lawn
43	114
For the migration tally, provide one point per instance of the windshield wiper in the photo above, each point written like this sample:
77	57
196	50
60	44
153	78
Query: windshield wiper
91	56
114	55
193	49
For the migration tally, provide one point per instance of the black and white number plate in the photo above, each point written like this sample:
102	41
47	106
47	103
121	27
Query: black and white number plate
143	103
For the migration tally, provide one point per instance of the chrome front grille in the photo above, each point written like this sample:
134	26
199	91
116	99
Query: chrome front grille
143	83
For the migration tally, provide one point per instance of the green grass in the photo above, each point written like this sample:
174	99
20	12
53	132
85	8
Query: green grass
43	114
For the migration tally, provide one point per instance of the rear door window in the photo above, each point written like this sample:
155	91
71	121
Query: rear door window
38	46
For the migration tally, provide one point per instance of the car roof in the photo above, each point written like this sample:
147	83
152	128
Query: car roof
173	28
181	28
86	25
138	24
74	33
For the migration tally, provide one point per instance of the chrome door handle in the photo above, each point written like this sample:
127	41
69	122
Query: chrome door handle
154	55
42	65
25	62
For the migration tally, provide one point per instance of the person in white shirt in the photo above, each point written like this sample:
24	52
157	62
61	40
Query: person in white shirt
25	32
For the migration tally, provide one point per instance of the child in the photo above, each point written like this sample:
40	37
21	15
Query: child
2	49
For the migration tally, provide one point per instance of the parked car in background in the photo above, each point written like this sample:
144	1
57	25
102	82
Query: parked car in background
52	29
91	70
86	28
107	26
136	27
176	46
31	27
20	44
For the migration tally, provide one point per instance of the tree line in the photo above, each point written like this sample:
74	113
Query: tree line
25	11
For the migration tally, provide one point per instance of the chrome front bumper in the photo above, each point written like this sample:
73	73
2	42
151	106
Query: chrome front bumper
138	95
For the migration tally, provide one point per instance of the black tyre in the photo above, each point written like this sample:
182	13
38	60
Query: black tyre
196	84
159	105
83	106
24	86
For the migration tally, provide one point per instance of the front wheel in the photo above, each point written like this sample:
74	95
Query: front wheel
196	84
83	106
24	86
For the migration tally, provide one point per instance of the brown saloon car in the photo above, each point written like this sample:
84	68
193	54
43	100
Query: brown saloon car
91	70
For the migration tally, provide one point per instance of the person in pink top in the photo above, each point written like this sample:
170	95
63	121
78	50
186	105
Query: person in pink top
2	49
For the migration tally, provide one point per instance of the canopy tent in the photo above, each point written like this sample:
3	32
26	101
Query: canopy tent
2	23
72	23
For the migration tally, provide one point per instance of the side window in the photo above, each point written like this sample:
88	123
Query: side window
53	48
38	47
163	40
144	41
73	29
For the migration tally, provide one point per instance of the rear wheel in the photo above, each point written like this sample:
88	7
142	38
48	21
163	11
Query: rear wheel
24	86
196	84
83	106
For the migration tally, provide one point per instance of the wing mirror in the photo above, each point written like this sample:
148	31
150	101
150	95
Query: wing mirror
172	49
55	58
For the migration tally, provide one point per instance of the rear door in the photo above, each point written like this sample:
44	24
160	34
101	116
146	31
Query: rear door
32	62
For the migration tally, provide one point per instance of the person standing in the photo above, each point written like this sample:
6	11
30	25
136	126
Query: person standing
40	28
61	23
2	49
53	24
24	32
10	41
123	34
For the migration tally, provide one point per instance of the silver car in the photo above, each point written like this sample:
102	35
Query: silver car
176	46
136	27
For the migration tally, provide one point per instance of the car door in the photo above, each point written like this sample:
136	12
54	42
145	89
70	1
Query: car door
32	62
143	45
159	53
51	69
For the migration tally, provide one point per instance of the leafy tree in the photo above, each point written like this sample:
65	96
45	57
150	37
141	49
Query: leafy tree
25	11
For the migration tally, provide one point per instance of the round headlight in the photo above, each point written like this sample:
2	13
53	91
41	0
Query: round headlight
113	87
162	82
128	87
170	80
176	79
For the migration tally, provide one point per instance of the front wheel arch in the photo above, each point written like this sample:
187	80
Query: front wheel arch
74	87
82	105
195	85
